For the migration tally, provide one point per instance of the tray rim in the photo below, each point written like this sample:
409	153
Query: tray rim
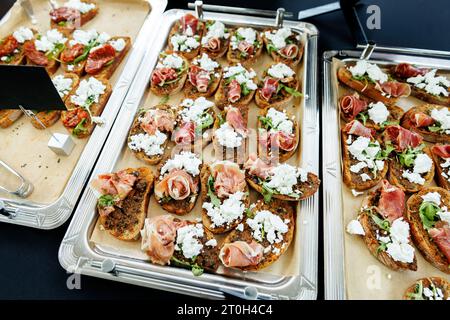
76	255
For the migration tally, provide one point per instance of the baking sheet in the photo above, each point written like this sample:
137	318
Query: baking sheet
289	263
366	277
25	148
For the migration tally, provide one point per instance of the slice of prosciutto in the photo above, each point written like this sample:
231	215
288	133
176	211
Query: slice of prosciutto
241	254
441	236
177	184
245	47
277	140
235	119
234	91
71	53
270	86
396	89
185	133
289	52
392	201
189	21
8	45
98	58
162	75
402	138
442	151
120	183
63	14
357	128
406	70
36	56
257	167
421	120
199	78
157	119
214	44
352	105
228	178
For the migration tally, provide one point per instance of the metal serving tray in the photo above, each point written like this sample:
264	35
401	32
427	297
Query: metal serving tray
78	254
51	215
336	267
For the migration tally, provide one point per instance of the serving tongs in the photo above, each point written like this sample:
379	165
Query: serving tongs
25	188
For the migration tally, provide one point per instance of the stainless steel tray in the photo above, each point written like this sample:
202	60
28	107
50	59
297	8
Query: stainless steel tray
52	215
78	254
336	267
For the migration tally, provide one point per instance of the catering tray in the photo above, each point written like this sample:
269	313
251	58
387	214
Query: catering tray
351	272
58	180
79	253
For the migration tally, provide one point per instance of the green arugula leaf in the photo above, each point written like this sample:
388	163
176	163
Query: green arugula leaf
435	128
212	196
384	153
266	122
221	119
291	91
80	128
62	23
363	117
382	223
408	156
197	270
418	292
428	213
267	192
382	247
271	48
164	99
106	200
245	89
207	120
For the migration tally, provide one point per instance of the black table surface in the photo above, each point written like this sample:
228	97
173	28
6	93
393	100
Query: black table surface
29	267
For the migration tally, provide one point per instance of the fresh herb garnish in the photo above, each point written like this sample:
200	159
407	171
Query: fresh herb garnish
164	99
363	117
381	223
271	48
428	213
290	90
80	128
418	292
408	156
212	196
266	122
106	200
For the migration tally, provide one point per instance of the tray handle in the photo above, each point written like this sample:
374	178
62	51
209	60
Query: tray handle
25	188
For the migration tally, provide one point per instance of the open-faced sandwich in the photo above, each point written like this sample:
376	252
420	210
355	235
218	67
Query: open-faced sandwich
261	238
371	114
284	46
368	79
45	50
185	36
425	84
66	85
230	137
363	158
278	87
280	181
11	46
169	75
9	116
432	288
124	200
245	47
278	135
411	168
441	157
178	183
181	243
431	121
203	77
73	14
225	196
237	87
429	219
382	225
193	119
150	133
85	106
216	40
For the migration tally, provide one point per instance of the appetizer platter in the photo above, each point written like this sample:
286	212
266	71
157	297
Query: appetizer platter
385	159
91	66
218	219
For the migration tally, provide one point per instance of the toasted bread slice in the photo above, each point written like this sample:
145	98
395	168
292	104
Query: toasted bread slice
191	91
126	222
51	67
421	237
235	56
280	100
221	96
220	52
193	52
282	209
412	294
424	132
278	57
48	118
9	116
18	55
68	27
174	86
441	180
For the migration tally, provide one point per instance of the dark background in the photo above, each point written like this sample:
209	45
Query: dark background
29	267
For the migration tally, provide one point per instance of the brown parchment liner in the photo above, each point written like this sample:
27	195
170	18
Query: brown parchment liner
24	147
289	263
366	277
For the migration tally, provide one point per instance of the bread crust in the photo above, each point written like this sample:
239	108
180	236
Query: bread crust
438	282
193	53
174	87
287	99
84	18
276	55
441	181
8	117
19	57
190	91
233	55
221	98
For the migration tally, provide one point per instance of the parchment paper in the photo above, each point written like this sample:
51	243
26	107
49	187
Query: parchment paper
289	263
366	277
25	148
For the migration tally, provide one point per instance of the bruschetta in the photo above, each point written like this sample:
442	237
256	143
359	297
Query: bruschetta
11	46
260	240
123	203
429	219
278	135
368	79
363	157
185	36
280	181
178	184
411	167
9	116
278	87
431	121
431	288
73	14
284	46
216	39
203	77
441	158
150	133
425	84
382	224
225	196
371	114
237	87
245	47
230	137
85	106
169	75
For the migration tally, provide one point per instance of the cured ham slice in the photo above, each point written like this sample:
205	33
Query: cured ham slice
71	53
241	254
162	75
185	133
406	70
421	119
177	184
234	91
235	119
352	105
64	14
402	138
392	201
98	58
189	21
228	179
442	151
290	51
120	183
37	57
8	45
214	44
270	86
357	128
245	47
257	166
199	78
396	89
277	140
157	119
441	236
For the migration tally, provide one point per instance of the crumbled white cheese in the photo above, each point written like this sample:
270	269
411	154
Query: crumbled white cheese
242	75
192	110
184	160
365	151
365	177
356	193
434	197
444	214
435	85
211	243
280	121
355	227
63	85
182	42
374	72
278	37
171	61
276	250
83	37
188	240
248	35
280	71
400	249
81	6
118	44
283	178
422	164
23	34
240	227
227	137
442	116
48	41
358	167
216	30
88	90
378	112
150	144
205	62
268	223
230	210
